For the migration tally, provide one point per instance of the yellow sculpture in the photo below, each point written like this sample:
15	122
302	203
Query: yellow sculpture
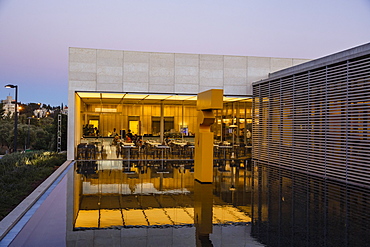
203	162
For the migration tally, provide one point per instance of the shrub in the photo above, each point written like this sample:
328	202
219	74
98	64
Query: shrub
21	173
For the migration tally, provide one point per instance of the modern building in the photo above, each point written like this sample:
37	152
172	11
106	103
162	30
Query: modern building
310	117
154	94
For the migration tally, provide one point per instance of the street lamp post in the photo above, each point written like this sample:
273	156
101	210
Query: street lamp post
16	115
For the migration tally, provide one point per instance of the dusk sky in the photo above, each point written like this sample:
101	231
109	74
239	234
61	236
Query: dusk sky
35	35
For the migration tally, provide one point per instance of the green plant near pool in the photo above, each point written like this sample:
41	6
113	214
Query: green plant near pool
21	173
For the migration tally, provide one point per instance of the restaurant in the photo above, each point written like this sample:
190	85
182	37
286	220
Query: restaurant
122	101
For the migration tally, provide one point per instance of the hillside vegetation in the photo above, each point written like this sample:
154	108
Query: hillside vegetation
21	173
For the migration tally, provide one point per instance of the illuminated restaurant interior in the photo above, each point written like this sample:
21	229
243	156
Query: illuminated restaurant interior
156	118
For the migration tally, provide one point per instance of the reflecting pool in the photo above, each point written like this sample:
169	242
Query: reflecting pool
133	203
160	204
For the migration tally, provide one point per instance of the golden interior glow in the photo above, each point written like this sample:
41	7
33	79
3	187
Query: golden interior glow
119	110
87	218
99	109
158	96
89	95
152	96
110	218
112	95
156	216
182	97
135	96
230	99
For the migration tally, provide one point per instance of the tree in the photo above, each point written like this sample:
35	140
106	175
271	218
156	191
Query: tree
2	110
42	131
6	132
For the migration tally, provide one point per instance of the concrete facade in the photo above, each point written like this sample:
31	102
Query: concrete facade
98	70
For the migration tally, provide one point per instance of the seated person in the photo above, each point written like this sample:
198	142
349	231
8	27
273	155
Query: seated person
96	131
114	133
128	139
115	140
167	140
139	142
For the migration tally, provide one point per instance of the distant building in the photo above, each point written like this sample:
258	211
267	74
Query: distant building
65	110
42	112
9	105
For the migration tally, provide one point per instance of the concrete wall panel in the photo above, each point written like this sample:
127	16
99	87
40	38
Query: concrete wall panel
235	90
82	64
82	71
280	63
258	68
205	88
109	67
82	55
109	58
297	61
187	88
136	87
211	71
161	69
186	60
109	87
186	69
82	85
135	67
161	88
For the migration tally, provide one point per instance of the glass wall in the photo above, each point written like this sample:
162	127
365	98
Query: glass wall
158	116
234	123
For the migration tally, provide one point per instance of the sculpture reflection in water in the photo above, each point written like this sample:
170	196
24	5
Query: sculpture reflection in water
203	205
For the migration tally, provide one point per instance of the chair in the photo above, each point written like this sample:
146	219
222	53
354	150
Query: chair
81	151
91	151
175	151
188	152
149	151
162	151
134	153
